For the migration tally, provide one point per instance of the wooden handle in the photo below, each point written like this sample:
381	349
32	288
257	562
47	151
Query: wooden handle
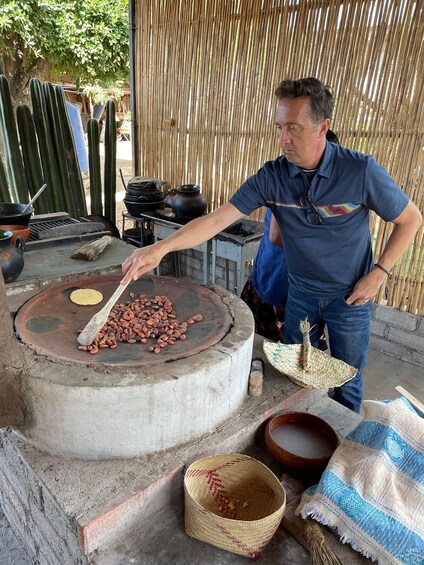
414	401
112	300
88	334
33	199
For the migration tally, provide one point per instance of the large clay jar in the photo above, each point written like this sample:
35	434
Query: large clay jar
188	203
11	256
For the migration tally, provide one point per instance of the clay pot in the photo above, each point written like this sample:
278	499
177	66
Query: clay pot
188	203
17	231
11	256
300	440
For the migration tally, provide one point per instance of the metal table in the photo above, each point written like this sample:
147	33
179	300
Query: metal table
238	243
162	228
144	227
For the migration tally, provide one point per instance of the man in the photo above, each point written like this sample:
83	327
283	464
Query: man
320	195
265	291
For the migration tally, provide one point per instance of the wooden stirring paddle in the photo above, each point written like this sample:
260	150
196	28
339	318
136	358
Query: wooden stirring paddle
88	334
414	401
34	198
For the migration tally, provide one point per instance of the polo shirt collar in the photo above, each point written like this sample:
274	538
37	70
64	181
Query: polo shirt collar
325	167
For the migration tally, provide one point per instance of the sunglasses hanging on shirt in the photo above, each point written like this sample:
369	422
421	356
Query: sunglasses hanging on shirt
312	214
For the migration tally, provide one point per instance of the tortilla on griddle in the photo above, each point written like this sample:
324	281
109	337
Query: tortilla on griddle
86	297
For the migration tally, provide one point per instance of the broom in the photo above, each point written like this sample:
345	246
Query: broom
91	250
321	553
305	351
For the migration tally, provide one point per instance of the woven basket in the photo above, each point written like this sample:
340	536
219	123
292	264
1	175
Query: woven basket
233	502
325	371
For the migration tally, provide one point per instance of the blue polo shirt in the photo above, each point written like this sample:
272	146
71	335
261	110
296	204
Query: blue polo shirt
325	260
269	273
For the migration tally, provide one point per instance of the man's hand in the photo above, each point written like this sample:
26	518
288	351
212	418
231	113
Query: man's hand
406	226
366	288
141	261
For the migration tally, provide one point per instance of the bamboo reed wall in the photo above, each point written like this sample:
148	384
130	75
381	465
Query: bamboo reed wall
205	73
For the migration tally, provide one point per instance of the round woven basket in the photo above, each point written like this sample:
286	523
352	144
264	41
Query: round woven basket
234	502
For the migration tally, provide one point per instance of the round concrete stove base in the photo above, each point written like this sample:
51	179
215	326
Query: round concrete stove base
99	413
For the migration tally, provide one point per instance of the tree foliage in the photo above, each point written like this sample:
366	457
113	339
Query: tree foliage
86	40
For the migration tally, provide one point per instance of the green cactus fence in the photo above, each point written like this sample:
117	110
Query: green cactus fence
74	171
43	152
4	185
93	137
31	156
14	165
110	162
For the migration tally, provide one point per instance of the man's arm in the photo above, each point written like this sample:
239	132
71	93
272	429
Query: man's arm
406	226
275	233
192	234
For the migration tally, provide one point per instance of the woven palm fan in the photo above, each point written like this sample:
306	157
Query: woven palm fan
306	365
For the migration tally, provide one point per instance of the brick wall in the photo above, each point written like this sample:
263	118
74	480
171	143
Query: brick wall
398	334
191	264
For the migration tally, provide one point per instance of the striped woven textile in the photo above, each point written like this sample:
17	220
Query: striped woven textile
372	491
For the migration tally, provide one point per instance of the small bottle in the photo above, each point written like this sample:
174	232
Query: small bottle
255	383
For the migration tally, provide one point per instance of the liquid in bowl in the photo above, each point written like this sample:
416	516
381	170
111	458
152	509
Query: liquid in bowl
302	441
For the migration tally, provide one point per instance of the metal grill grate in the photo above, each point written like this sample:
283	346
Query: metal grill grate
36	227
57	220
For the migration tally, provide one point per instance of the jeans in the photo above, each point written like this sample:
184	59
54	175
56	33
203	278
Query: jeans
348	332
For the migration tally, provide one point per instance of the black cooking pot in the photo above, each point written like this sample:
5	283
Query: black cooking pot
136	209
147	183
188	203
12	214
11	256
142	198
144	189
144	195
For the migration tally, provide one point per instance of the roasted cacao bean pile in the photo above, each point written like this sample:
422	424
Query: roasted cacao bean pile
139	320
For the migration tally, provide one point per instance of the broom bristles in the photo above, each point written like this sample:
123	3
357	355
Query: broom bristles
321	553
91	250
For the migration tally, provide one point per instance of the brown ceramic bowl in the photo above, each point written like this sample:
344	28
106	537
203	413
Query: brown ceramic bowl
17	231
300	440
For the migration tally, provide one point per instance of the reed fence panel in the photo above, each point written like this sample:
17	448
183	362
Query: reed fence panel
205	73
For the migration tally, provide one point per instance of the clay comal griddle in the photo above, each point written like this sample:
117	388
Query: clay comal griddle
48	322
